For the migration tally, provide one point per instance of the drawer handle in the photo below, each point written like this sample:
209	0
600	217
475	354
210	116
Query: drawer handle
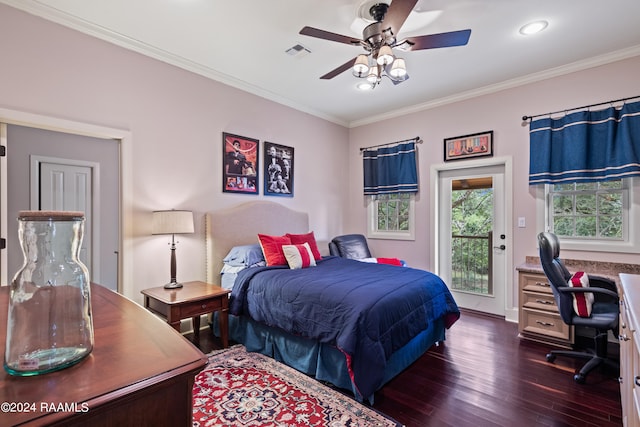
637	380
624	337
204	306
540	301
542	284
544	323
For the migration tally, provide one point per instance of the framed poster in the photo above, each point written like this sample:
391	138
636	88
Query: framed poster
278	170
467	146
240	164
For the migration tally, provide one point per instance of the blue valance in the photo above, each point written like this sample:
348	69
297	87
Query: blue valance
390	170
586	146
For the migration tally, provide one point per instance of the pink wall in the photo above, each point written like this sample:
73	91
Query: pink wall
176	119
501	112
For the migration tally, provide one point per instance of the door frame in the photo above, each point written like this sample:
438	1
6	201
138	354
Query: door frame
510	303
124	137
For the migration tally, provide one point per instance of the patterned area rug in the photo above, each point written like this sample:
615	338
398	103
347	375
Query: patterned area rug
248	389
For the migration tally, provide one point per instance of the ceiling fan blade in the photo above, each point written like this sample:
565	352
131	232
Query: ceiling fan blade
327	35
398	12
341	69
433	41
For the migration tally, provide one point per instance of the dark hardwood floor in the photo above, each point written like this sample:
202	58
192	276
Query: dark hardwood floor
484	375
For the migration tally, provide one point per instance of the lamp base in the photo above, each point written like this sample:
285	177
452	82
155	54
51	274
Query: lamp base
173	285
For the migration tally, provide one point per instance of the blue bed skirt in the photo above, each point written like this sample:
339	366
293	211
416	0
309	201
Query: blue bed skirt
322	361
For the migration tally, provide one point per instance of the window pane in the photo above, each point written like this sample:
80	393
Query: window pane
586	204
562	205
610	204
563	226
611	227
586	226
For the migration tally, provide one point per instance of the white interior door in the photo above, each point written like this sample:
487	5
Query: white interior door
478	282
68	187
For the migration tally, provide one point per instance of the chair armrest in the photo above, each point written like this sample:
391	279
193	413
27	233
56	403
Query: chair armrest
606	295
602	282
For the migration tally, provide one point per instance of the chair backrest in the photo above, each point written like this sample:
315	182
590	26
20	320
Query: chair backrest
353	246
556	272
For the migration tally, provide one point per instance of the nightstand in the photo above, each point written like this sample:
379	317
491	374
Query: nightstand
193	300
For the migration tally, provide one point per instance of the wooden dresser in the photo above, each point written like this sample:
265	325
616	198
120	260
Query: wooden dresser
630	349
140	372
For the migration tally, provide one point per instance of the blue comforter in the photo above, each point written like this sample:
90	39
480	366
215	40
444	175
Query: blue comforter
366	310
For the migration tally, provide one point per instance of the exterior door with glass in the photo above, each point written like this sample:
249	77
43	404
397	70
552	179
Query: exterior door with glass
472	239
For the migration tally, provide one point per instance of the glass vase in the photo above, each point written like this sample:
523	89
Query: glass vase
49	324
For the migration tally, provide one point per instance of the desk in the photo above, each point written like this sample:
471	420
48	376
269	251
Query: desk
140	373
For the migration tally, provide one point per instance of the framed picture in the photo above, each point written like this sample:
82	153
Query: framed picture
240	164
467	146
278	170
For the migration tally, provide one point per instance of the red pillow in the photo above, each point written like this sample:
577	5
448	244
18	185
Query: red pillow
272	248
582	302
299	256
391	261
298	239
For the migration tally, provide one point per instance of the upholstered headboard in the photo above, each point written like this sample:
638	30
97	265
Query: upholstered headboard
240	225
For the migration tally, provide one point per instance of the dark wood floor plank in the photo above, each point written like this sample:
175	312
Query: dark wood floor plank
484	375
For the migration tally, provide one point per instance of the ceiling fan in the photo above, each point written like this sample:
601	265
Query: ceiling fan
378	40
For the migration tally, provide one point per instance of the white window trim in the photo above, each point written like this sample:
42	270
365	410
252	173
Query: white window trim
632	245
373	233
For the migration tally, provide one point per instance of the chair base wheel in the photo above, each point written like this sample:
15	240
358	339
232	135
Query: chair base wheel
551	357
579	378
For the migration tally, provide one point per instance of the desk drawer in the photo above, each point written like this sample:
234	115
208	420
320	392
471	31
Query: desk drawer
545	323
535	283
538	301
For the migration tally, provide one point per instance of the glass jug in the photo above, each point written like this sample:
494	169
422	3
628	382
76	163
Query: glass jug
49	325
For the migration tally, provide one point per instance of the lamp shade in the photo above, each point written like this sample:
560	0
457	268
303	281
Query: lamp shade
385	55
398	68
361	66
172	222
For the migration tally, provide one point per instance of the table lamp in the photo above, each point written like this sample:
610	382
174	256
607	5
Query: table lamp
172	222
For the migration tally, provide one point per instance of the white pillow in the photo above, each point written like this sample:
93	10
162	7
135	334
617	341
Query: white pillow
299	256
582	302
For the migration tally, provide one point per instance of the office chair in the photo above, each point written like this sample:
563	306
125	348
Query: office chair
353	246
604	312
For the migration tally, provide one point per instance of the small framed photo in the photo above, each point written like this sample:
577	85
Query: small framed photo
468	146
240	164
278	170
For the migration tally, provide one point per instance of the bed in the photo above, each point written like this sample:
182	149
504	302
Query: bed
352	324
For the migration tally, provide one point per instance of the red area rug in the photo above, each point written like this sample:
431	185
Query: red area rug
248	389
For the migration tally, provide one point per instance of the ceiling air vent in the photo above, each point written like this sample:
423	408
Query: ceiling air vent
297	51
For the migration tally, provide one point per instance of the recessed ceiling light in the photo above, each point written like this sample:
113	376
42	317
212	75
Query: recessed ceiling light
533	27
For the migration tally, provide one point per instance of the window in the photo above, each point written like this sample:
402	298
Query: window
595	216
391	216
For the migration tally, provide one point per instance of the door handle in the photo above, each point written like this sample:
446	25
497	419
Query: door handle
502	247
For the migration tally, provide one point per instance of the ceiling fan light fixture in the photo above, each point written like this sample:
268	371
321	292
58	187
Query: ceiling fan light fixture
361	66
385	55
398	68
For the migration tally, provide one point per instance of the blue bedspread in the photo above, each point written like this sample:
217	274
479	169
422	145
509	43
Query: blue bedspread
367	311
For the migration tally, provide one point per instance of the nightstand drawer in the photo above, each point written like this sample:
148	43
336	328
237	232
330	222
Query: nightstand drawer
545	323
539	301
197	308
